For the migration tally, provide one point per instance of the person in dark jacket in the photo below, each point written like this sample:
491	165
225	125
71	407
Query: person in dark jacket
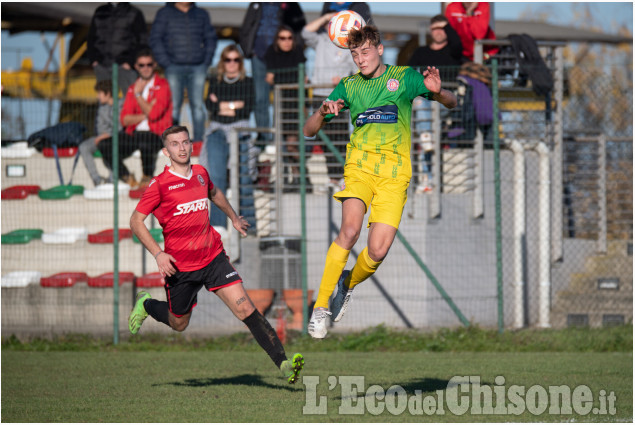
117	32
183	41
444	48
258	31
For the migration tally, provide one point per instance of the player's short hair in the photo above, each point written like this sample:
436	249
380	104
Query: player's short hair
358	37
104	86
173	130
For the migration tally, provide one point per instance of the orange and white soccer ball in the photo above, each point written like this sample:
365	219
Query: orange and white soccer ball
340	24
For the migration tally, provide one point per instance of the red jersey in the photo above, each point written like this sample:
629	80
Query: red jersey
470	28
180	205
160	116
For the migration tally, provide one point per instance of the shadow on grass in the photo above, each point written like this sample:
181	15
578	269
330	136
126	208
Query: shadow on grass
425	385
246	379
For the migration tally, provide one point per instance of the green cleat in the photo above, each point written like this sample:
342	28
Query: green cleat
138	313
291	368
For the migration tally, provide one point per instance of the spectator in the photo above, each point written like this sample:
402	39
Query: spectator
333	63
183	41
356	6
230	100
117	32
256	35
444	48
282	59
471	22
104	130
146	112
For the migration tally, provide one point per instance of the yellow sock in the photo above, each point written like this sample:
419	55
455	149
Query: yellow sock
336	259
363	269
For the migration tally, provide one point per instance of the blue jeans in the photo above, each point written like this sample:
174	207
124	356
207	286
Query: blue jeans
217	157
192	78
263	90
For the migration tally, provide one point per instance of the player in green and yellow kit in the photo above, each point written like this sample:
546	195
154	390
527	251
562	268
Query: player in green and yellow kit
377	170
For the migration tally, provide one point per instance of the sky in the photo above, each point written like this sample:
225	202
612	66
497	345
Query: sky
609	16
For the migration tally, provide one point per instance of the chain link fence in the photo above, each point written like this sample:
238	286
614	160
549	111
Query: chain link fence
566	216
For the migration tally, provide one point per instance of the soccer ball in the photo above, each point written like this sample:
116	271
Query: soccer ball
340	24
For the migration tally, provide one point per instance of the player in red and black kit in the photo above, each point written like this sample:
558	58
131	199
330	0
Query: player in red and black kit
194	256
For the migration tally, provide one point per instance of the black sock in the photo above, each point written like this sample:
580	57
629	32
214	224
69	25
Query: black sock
158	310
266	337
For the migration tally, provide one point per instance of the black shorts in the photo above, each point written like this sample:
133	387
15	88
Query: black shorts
181	288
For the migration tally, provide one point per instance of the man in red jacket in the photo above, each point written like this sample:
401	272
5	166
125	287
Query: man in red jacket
146	112
471	22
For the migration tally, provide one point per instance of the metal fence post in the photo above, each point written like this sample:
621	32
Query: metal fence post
233	184
115	177
277	137
305	291
497	195
477	200
437	164
556	172
602	213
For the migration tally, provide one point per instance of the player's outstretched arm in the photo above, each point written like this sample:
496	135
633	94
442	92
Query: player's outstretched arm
316	121
432	80
164	260
220	200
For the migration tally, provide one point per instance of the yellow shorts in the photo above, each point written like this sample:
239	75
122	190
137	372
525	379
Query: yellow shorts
385	197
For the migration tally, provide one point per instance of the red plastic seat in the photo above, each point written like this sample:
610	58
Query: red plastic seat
150	280
196	148
105	280
61	152
20	192
108	236
63	280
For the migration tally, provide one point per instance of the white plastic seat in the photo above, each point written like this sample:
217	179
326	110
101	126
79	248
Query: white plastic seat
21	279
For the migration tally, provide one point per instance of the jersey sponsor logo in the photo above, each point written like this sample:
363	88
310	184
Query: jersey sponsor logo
200	180
176	186
392	85
188	207
380	115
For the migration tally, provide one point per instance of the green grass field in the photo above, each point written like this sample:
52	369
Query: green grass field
177	382
245	387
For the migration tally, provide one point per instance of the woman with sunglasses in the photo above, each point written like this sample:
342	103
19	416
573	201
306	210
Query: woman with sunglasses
282	59
229	101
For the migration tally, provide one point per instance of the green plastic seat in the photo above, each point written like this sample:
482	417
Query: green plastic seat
61	192
21	236
157	235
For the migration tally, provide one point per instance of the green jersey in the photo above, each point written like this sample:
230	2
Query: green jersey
381	111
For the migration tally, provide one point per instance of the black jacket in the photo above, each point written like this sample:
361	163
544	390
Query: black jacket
182	38
289	13
448	56
116	34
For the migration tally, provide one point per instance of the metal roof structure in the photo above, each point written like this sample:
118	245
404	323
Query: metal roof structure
75	17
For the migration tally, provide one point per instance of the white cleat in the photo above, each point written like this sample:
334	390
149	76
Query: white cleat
342	298
317	324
